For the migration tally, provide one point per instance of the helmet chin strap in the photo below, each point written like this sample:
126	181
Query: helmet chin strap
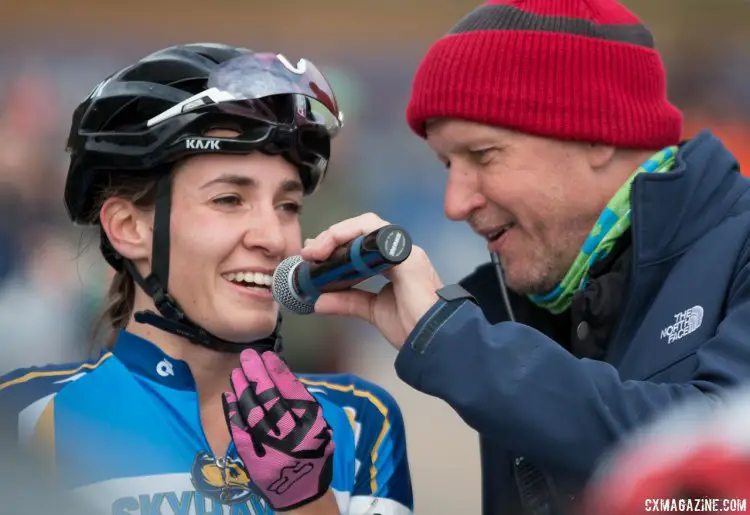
171	318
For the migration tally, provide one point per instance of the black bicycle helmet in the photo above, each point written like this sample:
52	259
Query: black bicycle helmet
145	117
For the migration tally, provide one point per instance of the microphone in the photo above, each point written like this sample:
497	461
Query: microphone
297	284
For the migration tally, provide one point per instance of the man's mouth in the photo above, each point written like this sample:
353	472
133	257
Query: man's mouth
495	235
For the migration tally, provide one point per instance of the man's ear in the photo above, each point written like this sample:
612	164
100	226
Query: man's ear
128	228
600	156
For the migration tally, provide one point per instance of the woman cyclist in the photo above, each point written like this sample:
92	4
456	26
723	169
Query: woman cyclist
193	163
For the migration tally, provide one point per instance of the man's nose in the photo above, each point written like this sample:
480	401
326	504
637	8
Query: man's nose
462	195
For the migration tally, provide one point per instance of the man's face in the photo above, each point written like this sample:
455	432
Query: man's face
534	199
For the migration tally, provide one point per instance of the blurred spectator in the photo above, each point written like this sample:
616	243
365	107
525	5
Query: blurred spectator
694	452
21	127
42	306
40	291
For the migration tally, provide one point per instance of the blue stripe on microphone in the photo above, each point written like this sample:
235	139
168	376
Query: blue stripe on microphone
307	285
357	262
346	272
362	265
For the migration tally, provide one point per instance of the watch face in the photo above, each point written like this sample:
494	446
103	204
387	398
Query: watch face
455	292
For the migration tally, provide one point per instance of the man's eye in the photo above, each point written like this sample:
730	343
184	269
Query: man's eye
482	156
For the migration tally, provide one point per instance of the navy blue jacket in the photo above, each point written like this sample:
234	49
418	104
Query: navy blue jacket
684	333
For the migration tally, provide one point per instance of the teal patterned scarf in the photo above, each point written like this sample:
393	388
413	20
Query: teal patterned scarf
612	223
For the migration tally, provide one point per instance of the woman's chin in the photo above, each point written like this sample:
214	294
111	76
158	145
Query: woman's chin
249	331
235	324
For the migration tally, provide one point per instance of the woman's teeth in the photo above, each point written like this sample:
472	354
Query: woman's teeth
249	279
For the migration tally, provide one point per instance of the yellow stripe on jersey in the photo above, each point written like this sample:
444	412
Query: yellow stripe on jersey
52	373
44	431
378	405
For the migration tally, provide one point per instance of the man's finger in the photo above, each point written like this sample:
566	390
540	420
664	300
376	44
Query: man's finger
320	247
347	303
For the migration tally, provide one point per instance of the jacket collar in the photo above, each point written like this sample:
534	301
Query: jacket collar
670	211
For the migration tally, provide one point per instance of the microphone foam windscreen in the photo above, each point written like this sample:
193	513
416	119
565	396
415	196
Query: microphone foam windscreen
283	290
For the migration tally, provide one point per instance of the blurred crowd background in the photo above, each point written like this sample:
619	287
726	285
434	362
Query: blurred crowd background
52	280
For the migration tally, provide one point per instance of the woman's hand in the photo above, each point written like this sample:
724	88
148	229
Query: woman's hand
280	434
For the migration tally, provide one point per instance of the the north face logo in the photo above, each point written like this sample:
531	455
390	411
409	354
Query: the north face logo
684	324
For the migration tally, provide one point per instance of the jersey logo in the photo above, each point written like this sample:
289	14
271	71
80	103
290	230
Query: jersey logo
164	368
223	479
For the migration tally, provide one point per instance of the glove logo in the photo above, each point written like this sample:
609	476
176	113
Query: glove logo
290	475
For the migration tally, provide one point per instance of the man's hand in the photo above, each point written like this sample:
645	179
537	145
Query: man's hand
279	431
397	308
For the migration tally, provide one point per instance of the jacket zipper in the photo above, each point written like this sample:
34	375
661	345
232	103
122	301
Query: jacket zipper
614	342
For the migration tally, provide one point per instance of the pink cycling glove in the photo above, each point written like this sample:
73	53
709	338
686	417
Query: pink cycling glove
279	431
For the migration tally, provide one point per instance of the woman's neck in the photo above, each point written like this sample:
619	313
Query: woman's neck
210	370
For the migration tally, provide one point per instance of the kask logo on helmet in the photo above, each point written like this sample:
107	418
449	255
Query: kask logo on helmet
202	144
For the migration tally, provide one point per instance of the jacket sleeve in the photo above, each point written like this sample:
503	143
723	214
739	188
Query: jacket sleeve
514	385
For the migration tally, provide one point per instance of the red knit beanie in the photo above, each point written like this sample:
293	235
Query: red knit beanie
581	70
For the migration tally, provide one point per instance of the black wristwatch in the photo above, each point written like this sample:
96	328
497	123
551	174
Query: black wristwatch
455	292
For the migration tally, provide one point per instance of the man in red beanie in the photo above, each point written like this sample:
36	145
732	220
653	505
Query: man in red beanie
622	253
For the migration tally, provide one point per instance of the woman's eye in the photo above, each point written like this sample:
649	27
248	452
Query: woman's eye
228	200
292	207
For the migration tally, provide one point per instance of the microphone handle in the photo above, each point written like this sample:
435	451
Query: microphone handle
354	262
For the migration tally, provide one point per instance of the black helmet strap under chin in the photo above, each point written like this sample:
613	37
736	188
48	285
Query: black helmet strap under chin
173	319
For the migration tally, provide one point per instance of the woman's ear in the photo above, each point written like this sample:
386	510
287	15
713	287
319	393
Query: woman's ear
128	228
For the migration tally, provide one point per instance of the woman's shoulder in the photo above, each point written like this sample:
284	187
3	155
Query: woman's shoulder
26	386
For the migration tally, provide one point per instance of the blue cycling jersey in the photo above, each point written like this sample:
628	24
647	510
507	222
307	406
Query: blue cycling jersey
124	432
